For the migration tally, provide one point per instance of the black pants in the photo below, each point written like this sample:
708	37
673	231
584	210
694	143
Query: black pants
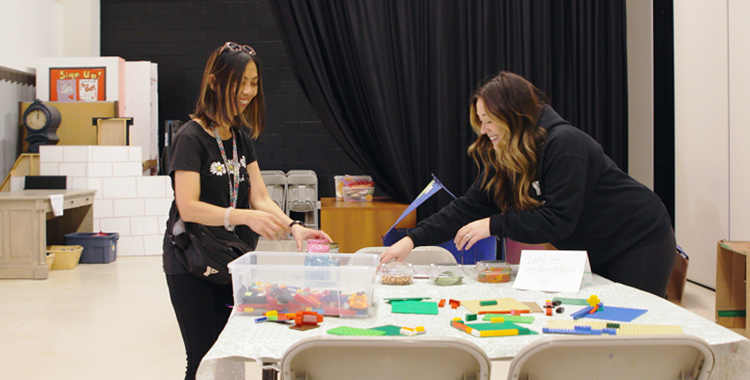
647	268
202	311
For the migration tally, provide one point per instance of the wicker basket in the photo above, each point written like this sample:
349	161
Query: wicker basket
66	256
50	259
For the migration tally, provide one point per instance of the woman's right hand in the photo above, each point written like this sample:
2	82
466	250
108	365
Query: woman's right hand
264	224
398	251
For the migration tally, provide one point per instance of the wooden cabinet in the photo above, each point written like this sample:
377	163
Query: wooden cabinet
27	225
356	225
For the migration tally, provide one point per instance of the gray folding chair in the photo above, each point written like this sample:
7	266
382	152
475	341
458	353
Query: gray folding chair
389	357
614	357
424	255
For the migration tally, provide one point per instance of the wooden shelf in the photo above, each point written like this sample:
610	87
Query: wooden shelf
356	225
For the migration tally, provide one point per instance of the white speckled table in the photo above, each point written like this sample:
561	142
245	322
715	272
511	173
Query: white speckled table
244	340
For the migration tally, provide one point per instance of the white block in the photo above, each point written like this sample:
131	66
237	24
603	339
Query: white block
130	246
99	169
111	153
168	185
119	225
144	225
152	245
49	168
127	169
50	153
96	184
163	221
150	187
103	208
129	207
158	206
135	154
97	223
73	169
77	153
118	187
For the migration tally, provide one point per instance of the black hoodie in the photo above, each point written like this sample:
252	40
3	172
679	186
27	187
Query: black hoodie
588	203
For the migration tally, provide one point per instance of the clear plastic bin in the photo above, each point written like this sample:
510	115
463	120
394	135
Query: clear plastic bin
397	273
264	281
446	274
492	271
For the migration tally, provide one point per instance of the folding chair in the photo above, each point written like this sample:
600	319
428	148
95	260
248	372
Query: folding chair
276	185
614	357
390	357
420	255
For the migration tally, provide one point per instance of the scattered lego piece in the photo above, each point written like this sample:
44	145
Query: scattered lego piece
471	317
441	303
408	331
515	312
261	319
497	320
581	313
560	310
533	307
593	300
307	318
420	330
304	327
454	303
570	301
346	330
509	318
569	327
389	300
504	306
272	313
414	307
488	303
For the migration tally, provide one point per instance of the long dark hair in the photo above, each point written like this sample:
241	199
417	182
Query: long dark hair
217	102
510	169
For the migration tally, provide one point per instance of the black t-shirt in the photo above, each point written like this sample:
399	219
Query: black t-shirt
197	151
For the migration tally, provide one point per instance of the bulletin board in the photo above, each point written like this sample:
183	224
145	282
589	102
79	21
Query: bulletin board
77	84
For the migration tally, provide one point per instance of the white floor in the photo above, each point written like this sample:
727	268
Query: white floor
114	321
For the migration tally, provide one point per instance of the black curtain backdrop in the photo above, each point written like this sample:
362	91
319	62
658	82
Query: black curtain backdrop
391	79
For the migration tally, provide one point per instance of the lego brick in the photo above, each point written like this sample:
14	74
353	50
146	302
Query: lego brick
414	307
346	330
571	301
504	305
488	303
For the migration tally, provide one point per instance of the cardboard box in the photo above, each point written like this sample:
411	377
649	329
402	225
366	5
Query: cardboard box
338	285
731	284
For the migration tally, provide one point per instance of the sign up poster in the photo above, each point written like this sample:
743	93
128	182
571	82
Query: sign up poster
70	84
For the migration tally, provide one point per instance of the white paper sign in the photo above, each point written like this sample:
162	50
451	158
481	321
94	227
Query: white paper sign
56	201
551	271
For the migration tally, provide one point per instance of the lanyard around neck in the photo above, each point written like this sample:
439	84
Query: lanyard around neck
232	167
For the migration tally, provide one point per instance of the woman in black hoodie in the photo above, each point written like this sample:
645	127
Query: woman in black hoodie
545	181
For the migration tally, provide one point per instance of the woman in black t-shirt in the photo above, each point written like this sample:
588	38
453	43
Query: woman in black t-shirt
216	180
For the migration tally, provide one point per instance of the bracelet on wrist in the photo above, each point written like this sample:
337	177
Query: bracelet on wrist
227	226
296	222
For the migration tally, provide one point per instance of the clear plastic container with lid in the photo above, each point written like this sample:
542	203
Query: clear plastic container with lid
492	271
396	273
446	274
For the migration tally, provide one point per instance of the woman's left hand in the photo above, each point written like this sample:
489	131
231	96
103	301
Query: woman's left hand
301	234
471	233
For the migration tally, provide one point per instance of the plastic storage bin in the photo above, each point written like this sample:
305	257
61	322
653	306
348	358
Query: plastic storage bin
446	274
358	194
397	273
264	281
96	249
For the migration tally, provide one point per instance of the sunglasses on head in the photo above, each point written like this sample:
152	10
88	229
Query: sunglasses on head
233	46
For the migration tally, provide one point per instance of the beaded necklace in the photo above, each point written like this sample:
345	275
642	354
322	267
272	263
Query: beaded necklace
233	166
